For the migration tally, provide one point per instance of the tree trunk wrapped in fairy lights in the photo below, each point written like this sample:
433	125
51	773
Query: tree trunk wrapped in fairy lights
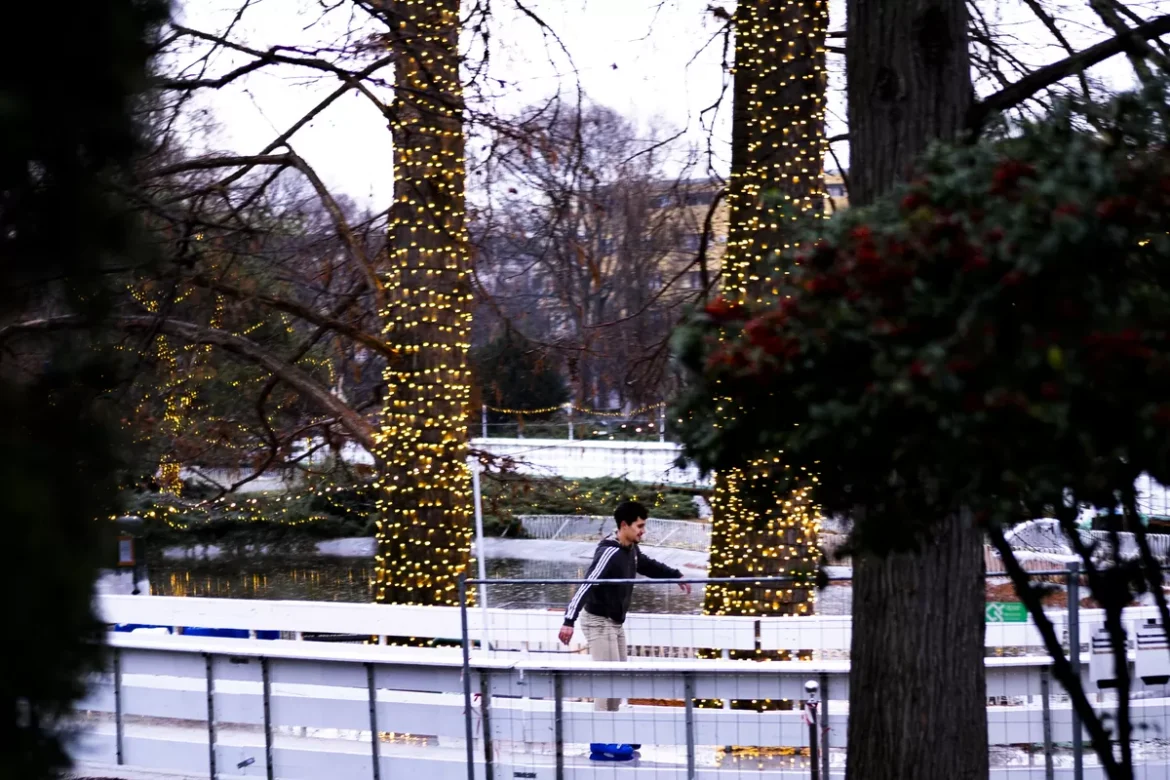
776	179
423	527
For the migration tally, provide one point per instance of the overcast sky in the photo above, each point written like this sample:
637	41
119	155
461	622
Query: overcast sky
641	58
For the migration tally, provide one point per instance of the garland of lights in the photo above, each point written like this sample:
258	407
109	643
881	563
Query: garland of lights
780	51
282	507
576	408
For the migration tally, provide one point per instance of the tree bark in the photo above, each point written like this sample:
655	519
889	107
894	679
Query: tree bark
918	708
909	82
917	693
424	533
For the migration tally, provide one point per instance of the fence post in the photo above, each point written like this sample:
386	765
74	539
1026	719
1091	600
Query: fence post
824	727
1074	655
559	723
483	421
1045	688
266	679
726	655
118	719
480	552
810	708
375	746
662	423
569	407
485	709
211	739
469	731
689	701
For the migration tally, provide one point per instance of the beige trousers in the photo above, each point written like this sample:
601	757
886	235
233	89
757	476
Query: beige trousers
607	642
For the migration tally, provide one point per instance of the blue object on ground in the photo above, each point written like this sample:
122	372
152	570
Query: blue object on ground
603	751
229	633
129	627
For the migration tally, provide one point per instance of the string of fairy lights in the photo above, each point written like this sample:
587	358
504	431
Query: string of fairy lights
178	394
785	140
423	528
315	503
579	409
780	51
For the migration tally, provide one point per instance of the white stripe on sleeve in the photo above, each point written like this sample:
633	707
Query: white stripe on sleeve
572	610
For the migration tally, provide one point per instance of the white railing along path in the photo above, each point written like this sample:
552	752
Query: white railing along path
323	711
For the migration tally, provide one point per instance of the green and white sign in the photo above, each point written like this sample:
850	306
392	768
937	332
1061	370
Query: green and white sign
1006	612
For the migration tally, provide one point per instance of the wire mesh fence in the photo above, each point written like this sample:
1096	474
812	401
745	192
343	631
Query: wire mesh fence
678	693
676	702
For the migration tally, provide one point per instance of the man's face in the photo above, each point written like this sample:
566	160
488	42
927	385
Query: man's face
634	531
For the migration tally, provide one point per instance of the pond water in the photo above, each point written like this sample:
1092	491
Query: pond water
327	578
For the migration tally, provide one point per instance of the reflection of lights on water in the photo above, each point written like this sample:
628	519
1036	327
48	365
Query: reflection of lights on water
404	739
764	757
271	579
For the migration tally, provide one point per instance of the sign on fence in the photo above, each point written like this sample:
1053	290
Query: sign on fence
1006	612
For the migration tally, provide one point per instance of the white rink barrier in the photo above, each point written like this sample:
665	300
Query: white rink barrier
178	704
536	630
320	711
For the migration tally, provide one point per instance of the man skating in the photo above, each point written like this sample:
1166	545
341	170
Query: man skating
605	605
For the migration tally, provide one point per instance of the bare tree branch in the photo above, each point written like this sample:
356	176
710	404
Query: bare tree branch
1138	52
1029	85
212	163
1050	23
302	382
272	56
305	313
293	160
312	114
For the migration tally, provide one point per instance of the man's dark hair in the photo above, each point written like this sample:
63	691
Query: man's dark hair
630	512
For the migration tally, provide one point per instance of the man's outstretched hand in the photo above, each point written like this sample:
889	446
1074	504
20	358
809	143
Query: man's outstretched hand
566	634
685	587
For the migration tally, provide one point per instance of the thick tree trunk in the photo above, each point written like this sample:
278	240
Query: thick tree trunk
778	134
777	145
918	708
777	148
424	530
909	83
917	694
